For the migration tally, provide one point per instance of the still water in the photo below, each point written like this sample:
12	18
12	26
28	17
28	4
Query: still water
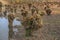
4	27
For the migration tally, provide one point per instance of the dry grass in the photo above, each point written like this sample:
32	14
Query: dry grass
49	31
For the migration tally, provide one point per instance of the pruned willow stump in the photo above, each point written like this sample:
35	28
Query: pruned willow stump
10	19
32	23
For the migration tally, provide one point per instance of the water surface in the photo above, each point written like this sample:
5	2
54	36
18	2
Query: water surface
4	27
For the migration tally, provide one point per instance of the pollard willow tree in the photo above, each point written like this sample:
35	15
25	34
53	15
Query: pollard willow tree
32	22
10	19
